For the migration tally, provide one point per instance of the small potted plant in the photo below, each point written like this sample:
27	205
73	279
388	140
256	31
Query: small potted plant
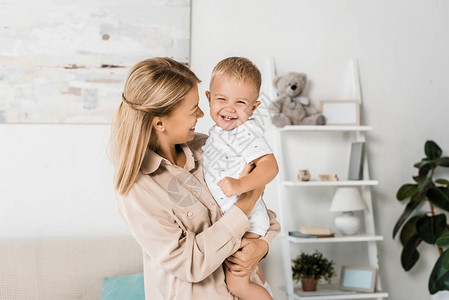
310	268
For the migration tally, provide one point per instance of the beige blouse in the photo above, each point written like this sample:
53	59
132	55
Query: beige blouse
184	236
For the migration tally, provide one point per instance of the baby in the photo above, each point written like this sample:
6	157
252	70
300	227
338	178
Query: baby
234	141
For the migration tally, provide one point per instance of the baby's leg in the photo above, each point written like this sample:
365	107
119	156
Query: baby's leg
252	235
242	287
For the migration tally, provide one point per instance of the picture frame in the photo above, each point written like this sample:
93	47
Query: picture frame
358	278
355	171
341	112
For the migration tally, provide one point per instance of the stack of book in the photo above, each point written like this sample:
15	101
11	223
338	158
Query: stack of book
312	232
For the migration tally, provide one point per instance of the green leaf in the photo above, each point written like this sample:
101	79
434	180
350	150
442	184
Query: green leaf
443	181
424	184
430	228
432	150
409	229
443	161
410	255
423	171
439	196
312	266
419	197
439	278
407	211
423	163
406	191
443	241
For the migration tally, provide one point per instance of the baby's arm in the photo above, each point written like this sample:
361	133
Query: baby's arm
265	171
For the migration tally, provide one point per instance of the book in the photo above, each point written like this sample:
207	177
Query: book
303	235
314	230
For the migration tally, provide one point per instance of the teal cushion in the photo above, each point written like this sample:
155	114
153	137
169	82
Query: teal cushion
129	287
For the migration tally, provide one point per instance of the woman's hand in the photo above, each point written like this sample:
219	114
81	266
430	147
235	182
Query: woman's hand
243	262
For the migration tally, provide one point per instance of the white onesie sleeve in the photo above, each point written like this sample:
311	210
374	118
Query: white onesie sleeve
254	144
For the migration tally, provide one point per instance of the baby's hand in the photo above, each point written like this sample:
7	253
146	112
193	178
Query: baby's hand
230	186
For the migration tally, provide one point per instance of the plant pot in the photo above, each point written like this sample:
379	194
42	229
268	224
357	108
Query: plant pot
308	284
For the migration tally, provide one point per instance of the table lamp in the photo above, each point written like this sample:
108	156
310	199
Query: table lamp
347	200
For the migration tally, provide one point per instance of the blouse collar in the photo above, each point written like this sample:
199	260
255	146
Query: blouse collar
152	161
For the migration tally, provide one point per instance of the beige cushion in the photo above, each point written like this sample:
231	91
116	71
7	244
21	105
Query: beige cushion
60	269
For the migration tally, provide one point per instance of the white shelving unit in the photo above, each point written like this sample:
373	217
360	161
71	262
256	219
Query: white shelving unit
325	128
293	196
343	296
337	239
329	183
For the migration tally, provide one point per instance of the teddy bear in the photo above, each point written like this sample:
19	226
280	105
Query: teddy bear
289	108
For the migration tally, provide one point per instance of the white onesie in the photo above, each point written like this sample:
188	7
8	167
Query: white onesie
225	154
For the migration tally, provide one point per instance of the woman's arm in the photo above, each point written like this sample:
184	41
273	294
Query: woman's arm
190	256
251	251
274	228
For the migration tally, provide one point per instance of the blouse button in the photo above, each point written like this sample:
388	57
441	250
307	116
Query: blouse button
196	192
190	214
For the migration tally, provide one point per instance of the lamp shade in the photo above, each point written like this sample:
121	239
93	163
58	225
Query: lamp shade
347	199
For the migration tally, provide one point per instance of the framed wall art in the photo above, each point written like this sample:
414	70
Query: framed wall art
66	61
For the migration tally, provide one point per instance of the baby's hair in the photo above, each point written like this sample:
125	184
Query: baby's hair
238	68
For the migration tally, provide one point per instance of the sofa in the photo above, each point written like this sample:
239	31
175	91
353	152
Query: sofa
64	268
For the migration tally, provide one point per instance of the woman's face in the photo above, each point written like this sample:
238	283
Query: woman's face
180	125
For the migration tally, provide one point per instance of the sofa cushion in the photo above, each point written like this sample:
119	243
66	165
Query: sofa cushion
129	287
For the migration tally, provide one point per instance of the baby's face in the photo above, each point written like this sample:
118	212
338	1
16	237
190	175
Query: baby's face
231	102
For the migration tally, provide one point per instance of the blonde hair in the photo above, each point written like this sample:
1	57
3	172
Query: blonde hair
153	88
238	68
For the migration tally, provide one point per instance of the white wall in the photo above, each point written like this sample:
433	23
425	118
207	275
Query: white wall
403	53
55	179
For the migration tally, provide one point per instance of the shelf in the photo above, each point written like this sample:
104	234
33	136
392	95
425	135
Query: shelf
336	239
325	128
342	296
330	183
331	291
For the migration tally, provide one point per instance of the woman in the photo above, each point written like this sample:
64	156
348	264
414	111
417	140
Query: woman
161	193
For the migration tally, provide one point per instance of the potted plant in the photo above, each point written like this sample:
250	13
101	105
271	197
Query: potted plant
431	226
310	268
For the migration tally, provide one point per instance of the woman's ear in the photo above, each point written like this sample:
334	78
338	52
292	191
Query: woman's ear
158	124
